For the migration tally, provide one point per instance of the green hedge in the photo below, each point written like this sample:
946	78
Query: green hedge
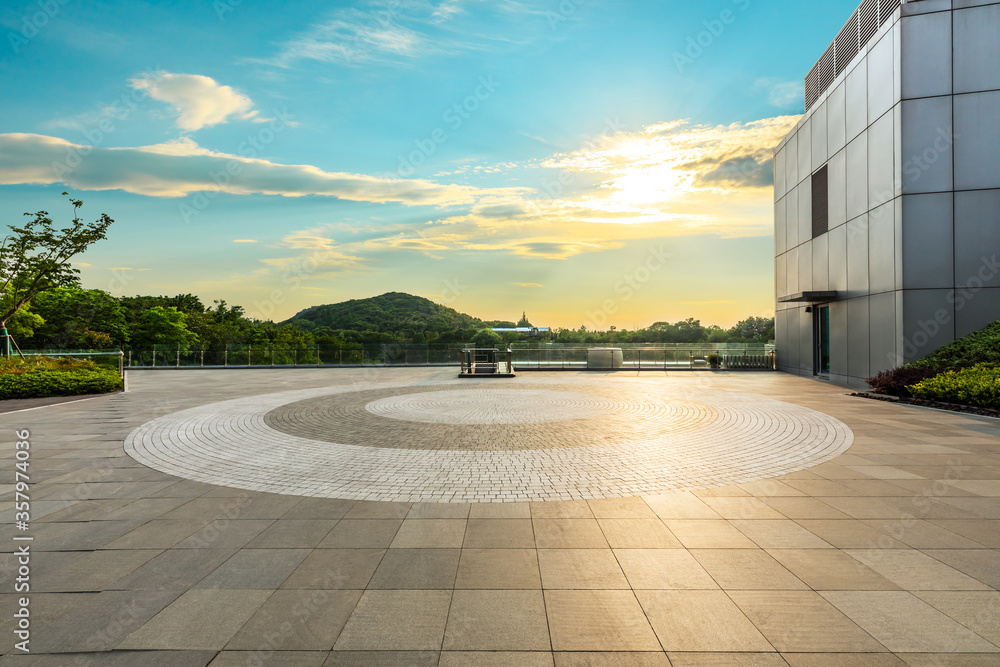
43	383
979	386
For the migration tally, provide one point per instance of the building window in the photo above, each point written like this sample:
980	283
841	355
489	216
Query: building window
820	203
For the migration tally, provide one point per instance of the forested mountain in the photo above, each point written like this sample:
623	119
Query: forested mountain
387	313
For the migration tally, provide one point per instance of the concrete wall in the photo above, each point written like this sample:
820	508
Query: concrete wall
911	136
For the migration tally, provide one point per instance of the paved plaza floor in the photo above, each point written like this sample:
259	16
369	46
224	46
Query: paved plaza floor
406	517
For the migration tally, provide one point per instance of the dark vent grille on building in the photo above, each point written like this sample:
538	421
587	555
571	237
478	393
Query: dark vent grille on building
820	203
861	27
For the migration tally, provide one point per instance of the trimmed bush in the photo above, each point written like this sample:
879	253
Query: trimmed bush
979	385
981	347
898	381
44	383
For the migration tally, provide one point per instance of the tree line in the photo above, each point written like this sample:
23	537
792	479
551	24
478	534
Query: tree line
76	318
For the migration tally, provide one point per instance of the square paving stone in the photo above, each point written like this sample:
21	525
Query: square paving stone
439	511
982	531
114	659
680	505
981	564
499	534
428	569
905	624
621	508
297	620
804	508
498	569
923	535
497	621
844	660
397	621
225	534
364	509
274	659
915	571
430	534
100	623
362	534
638	534
977	610
174	569
561	509
746	569
264	506
663	569
831	570
199	619
495	659
609	659
293	534
335	569
500	511
85	536
743	508
203	510
569	534
320	509
708	534
68	572
580	569
849	534
255	569
383	659
779	534
700	621
802	621
155	535
598	621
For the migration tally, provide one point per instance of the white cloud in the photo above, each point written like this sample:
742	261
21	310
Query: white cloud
181	167
781	94
199	100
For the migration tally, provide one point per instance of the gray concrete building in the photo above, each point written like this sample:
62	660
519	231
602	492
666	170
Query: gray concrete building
887	192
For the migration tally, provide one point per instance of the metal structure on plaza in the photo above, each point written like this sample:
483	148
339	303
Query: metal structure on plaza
486	362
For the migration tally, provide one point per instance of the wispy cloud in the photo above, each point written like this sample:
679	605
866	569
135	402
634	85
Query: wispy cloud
181	167
781	94
198	100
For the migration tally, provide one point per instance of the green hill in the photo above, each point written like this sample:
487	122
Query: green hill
388	313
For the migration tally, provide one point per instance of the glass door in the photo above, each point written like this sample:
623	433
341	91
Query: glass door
822	337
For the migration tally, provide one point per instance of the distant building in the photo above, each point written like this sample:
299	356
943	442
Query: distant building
887	213
530	331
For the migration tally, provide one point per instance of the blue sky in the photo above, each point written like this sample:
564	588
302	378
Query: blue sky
592	162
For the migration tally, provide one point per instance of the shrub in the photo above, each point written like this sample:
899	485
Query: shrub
898	381
43	383
981	347
979	385
17	365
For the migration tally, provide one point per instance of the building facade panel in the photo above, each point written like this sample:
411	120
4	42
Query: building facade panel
904	258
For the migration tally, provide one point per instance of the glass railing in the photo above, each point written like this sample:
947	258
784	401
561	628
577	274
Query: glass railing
530	356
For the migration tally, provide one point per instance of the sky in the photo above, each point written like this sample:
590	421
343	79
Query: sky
592	162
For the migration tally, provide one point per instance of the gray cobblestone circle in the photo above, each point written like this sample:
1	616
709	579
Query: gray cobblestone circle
708	438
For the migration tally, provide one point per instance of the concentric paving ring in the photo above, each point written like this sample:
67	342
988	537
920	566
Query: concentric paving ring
737	438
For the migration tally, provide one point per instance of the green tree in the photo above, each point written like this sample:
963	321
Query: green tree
162	326
523	322
78	318
753	330
36	257
487	338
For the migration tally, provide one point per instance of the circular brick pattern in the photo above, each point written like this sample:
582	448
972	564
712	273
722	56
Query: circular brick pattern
488	406
483	417
674	438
